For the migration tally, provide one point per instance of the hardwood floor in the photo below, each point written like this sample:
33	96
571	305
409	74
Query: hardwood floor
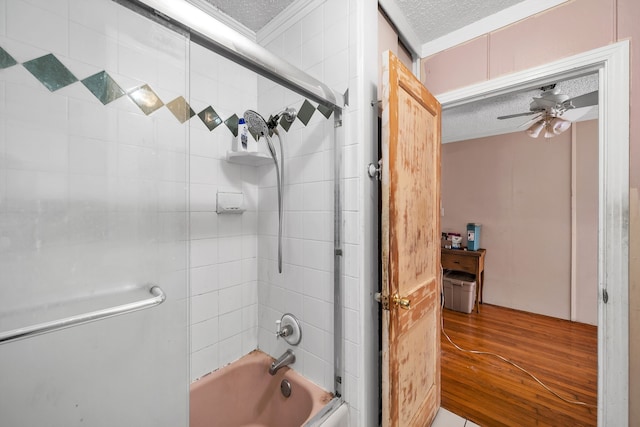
490	392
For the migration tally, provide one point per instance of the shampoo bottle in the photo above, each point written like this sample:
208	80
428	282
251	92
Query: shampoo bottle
243	135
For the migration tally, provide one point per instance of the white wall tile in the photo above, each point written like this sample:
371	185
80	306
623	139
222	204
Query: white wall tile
203	170
229	249
202	142
203	360
204	252
204	279
312	50
37	26
313	24
171	135
36	149
230	225
336	36
318	226
351	194
249	270
91	156
314	369
203	61
93	47
204	307
137	64
230	323
231	300
202	197
318	196
203	225
133	128
318	313
230	274
204	88
318	255
204	334
230	350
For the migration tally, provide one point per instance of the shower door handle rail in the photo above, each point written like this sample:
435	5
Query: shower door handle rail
79	319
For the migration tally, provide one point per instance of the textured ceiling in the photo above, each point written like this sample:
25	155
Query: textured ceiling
479	119
431	19
253	14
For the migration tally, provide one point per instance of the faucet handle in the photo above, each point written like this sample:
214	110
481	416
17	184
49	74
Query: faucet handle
278	328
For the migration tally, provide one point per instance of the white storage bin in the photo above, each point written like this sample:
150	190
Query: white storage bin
459	291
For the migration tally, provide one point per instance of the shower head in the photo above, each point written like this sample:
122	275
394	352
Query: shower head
256	123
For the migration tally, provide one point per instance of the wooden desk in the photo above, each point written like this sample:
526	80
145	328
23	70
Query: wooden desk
469	262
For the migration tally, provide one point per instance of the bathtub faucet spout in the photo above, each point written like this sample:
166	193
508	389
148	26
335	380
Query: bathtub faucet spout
285	360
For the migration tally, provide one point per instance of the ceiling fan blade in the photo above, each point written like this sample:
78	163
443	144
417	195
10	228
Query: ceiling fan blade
531	121
586	100
528	113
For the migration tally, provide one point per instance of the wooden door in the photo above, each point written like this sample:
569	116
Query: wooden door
410	248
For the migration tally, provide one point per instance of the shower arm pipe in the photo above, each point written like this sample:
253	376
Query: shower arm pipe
211	33
79	319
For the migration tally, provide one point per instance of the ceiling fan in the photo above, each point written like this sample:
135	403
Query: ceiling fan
548	109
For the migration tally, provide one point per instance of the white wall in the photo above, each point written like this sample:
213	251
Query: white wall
223	247
92	201
317	43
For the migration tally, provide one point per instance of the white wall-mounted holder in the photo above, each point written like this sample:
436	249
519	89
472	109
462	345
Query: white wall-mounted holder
229	203
251	158
288	327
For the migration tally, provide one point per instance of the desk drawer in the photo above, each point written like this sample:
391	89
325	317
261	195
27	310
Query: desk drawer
459	263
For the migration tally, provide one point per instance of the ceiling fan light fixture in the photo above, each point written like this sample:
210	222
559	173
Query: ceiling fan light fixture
535	129
551	126
558	125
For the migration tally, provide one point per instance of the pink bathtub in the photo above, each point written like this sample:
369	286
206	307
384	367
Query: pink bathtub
244	394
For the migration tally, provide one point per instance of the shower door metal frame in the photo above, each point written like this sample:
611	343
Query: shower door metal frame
180	15
217	37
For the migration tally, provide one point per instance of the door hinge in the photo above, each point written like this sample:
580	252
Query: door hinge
382	299
605	296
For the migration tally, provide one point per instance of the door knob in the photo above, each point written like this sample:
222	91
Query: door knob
404	303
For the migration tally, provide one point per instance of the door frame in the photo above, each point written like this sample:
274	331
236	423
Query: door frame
612	65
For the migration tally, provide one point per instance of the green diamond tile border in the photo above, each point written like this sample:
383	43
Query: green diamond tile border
305	112
50	71
325	111
6	60
285	124
103	87
232	124
210	118
54	75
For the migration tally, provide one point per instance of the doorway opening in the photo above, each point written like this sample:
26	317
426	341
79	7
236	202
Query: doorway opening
611	63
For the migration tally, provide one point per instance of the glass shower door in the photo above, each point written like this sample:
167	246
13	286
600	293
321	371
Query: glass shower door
93	215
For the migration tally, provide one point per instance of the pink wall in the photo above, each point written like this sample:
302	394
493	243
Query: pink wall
518	188
574	27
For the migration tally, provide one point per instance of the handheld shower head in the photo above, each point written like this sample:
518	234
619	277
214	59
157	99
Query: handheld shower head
256	123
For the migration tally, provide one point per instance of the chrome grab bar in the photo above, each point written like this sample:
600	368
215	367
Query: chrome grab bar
79	319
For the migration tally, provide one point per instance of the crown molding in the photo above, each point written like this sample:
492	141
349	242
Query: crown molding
486	25
293	13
